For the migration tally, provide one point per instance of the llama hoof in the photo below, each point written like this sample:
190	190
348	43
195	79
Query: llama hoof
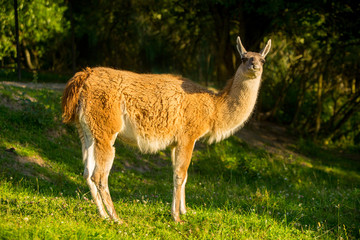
104	215
119	221
180	221
177	219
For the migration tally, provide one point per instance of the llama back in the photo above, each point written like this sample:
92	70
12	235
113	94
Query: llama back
147	110
71	95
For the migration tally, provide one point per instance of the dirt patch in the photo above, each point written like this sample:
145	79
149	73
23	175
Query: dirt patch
15	100
26	165
56	133
143	165
278	140
8	103
269	136
139	168
53	86
31	160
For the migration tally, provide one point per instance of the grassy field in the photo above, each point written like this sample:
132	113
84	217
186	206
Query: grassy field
234	191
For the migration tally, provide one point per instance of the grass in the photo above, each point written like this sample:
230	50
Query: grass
234	191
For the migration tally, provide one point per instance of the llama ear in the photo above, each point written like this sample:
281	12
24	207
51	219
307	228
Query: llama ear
266	49
240	47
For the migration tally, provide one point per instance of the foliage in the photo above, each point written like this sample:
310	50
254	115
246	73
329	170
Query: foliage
35	76
313	72
233	191
41	24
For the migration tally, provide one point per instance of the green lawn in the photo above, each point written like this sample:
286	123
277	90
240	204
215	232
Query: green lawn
234	191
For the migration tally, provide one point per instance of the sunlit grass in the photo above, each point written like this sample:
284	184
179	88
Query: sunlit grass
234	191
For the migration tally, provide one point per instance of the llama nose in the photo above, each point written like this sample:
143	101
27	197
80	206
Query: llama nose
255	66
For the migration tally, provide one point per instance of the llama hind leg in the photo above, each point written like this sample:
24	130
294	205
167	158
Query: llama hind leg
89	161
104	157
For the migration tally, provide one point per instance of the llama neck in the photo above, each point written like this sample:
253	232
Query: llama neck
234	106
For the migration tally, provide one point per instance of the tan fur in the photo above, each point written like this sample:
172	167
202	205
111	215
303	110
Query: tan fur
71	95
152	112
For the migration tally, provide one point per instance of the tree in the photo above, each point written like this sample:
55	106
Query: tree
41	22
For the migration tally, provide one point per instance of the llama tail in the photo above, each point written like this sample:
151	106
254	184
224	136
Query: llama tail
71	95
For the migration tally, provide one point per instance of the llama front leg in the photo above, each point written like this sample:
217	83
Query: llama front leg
181	157
182	198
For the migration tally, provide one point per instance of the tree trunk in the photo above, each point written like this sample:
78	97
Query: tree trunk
28	59
318	106
224	65
352	106
17	40
300	100
73	45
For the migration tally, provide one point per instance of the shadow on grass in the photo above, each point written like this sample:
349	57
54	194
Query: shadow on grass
329	158
233	176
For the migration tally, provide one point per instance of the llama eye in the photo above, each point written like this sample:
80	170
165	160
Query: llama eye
262	61
244	59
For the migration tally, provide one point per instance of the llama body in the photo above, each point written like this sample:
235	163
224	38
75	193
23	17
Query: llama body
152	112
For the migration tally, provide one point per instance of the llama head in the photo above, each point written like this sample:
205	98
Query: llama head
252	62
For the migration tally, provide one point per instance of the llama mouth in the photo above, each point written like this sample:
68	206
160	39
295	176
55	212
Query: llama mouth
255	70
252	71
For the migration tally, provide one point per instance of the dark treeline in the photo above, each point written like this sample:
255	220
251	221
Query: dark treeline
311	78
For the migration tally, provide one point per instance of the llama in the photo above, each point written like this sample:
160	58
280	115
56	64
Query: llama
152	112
